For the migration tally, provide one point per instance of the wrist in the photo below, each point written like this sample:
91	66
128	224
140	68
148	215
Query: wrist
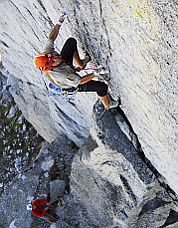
59	23
95	73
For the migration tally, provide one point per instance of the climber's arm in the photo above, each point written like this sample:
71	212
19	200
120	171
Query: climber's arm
89	77
86	78
55	30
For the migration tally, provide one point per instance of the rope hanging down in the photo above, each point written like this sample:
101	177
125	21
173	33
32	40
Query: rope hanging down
60	198
61	203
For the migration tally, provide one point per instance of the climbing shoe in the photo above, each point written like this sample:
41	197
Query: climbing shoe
86	59
113	104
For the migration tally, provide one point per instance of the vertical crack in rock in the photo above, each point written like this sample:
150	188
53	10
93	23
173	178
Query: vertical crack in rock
110	185
127	129
128	189
172	218
24	19
3	43
43	7
105	28
153	205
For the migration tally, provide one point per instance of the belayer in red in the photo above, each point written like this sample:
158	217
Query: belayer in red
41	208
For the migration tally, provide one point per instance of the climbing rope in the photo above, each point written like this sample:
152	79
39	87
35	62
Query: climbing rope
60	198
61	203
52	217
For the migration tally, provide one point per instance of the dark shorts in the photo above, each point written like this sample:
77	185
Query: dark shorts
67	52
94	86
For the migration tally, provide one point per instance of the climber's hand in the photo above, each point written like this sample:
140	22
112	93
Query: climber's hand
62	17
101	71
77	69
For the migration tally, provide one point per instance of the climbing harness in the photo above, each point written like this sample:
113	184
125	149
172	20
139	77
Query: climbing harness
70	95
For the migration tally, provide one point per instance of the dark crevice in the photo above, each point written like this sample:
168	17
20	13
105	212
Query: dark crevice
172	218
41	4
152	205
137	145
128	189
3	43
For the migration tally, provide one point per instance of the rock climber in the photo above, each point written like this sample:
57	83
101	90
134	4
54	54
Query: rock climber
41	208
60	71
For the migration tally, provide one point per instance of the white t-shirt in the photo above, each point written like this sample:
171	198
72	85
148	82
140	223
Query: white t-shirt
63	75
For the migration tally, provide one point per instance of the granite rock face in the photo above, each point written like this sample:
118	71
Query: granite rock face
121	191
105	184
136	41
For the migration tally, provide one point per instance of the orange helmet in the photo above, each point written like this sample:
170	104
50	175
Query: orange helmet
43	61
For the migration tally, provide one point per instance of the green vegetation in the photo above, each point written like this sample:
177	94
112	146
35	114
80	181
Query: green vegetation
19	142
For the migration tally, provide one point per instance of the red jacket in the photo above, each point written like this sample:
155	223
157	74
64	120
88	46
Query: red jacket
39	210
